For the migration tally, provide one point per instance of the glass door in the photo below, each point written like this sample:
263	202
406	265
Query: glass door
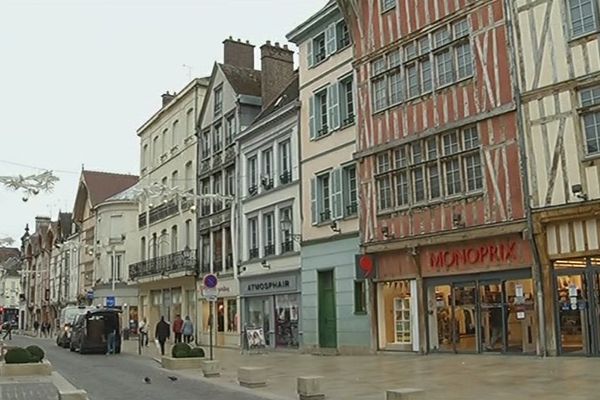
465	318
493	316
573	320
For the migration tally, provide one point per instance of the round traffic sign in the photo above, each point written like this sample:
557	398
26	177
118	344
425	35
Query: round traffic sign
366	265
210	281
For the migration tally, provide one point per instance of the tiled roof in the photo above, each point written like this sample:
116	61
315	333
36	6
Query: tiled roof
8	252
243	80
288	95
102	185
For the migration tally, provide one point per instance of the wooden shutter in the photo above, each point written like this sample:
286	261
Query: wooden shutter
333	103
330	39
336	194
313	200
312	120
309	53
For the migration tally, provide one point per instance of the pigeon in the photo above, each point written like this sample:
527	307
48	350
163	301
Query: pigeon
172	378
147	380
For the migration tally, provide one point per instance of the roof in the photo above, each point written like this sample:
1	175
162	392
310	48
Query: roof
65	222
299	33
102	185
242	80
8	252
289	94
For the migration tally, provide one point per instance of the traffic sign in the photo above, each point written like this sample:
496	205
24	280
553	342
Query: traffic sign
210	281
210	294
110	301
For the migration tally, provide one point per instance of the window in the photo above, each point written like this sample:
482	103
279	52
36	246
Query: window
412	76
206	143
205	189
419	184
163	243
394	58
453	185
321	112
285	214
252	175
444	69
217	185
188	233
474	176
360	297
395	81
350	191
460	28
346	101
451	145
387	5
434	181
174	239
164	145
342	34
155	148
269	234
189	122
163	181
232	315
218	100
441	37
116	265
584	17
175	134
230	181
401	188
217	250
175	179
205	243
267	169
142	249
217	137
285	162
253	237
379	94
323	195
378	66
145	162
117	227
318	45
383	162
590	116
229	130
464	61
189	177
385	192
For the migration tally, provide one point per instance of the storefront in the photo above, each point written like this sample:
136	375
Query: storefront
466	297
226	314
272	302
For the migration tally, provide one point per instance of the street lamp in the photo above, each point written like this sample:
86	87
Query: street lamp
287	227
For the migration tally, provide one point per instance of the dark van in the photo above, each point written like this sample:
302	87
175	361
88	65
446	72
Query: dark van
89	329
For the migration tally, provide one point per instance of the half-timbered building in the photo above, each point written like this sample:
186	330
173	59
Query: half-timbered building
441	202
557	54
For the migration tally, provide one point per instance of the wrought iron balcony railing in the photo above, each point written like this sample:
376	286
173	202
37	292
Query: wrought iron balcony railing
287	246
164	265
269	250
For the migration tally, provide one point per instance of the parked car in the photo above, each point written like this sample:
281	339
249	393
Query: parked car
66	321
88	334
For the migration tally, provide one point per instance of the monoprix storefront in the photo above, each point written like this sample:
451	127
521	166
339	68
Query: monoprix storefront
272	302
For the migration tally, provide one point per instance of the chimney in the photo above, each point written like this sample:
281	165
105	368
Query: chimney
277	69
166	98
41	222
238	53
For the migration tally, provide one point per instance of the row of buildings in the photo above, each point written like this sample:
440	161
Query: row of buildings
426	180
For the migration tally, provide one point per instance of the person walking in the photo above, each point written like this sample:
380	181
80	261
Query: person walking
144	332
178	328
7	326
162	334
188	330
43	329
111	338
36	327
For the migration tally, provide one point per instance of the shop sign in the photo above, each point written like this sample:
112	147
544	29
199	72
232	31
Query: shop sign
269	285
489	254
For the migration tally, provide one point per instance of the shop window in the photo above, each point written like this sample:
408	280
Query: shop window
286	321
220	316
232	316
398	325
360	297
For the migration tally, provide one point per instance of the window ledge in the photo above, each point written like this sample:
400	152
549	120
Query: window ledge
585	37
432	203
591	157
387	10
360	313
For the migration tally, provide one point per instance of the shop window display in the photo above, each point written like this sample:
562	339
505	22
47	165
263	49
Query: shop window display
286	322
397	315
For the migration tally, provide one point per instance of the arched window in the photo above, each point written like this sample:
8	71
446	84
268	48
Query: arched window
174	244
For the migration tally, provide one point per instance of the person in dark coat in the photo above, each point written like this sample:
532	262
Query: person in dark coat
162	333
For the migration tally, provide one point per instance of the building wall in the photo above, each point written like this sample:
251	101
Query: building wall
10	287
353	331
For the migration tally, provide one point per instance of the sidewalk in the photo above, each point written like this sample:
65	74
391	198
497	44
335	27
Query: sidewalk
442	376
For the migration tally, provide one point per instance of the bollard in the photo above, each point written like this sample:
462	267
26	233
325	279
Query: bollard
404	394
309	388
252	377
210	368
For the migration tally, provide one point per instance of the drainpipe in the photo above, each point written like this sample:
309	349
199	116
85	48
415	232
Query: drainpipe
537	268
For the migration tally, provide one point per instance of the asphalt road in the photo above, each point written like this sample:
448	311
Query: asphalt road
122	376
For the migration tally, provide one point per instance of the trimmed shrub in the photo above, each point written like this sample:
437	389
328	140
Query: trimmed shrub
37	354
18	355
181	350
196	352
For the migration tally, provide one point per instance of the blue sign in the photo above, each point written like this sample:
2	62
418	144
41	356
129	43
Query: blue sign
210	281
90	295
110	301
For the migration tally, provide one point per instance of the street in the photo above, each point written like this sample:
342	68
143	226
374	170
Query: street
122	376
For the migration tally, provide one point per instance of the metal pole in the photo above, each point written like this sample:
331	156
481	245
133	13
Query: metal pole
113	269
210	324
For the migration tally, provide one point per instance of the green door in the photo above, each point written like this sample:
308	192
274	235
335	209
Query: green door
327	319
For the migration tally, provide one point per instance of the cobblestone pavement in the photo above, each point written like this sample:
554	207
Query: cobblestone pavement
28	391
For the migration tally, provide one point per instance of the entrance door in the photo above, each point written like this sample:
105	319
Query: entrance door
493	316
327	315
465	318
576	328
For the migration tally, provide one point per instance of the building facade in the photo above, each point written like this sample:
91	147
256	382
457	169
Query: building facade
269	211
557	58
233	101
166	271
334	313
442	206
10	282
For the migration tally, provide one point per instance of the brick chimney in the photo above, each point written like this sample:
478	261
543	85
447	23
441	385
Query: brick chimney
167	97
238	53
41	222
277	69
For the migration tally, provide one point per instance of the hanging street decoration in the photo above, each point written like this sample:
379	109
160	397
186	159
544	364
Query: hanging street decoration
30	185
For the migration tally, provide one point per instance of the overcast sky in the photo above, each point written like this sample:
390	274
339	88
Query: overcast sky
78	77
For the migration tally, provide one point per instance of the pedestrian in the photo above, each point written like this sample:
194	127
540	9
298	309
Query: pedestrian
7	326
188	330
43	329
178	328
144	332
111	337
162	334
36	326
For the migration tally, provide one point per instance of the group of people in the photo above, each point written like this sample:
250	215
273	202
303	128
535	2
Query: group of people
183	330
44	329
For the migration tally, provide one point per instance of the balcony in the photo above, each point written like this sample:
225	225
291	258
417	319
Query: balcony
287	246
325	215
142	220
267	182
253	253
163	211
269	250
351	209
205	267
229	263
253	189
164	265
285	177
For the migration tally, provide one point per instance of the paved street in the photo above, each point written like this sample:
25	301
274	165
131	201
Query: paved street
122	376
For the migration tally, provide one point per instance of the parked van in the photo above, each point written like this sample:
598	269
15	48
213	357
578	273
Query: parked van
89	331
66	321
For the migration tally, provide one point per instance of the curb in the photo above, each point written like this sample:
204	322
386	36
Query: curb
66	391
